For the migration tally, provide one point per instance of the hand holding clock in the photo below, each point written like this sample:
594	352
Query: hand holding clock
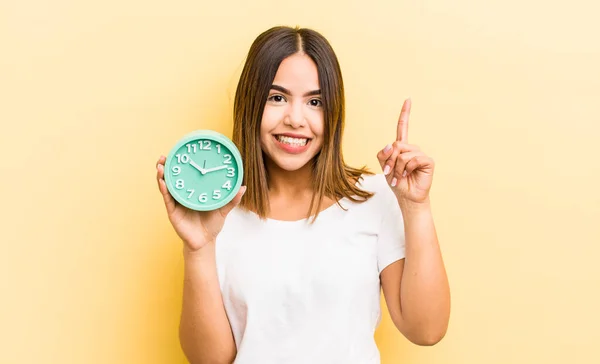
198	203
195	228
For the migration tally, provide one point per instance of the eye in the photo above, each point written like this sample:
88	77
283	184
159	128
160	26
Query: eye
276	98
316	102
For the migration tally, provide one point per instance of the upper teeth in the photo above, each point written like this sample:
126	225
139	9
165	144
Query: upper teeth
292	141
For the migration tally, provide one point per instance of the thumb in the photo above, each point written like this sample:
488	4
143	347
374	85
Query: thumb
225	210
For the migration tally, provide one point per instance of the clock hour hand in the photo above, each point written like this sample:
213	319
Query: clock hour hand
203	171
215	169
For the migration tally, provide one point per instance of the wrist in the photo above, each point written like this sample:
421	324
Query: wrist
189	254
199	265
409	206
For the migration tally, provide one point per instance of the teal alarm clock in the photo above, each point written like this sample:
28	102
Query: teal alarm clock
204	170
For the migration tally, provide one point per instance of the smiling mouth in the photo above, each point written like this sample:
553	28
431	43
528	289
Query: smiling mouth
296	142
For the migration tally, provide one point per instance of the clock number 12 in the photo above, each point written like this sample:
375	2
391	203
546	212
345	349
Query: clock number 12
204	144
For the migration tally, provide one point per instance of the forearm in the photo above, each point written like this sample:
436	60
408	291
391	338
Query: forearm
204	331
424	292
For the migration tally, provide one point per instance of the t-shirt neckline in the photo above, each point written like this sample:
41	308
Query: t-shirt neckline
304	220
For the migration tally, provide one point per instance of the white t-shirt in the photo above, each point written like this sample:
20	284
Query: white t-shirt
309	294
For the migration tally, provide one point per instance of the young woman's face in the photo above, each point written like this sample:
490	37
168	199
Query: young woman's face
291	129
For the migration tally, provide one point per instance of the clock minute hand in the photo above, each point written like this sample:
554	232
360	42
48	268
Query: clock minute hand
203	171
215	169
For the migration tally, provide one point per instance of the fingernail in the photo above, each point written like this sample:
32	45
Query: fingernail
386	170
404	174
394	181
387	148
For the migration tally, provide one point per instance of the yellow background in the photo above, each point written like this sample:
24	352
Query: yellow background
505	99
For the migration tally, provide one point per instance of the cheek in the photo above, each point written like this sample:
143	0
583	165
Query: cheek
318	126
270	117
267	123
264	138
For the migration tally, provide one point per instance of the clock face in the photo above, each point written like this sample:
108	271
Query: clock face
204	172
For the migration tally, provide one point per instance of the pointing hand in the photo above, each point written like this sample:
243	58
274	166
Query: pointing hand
409	171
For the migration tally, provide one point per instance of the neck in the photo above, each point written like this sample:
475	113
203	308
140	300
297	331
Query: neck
289	183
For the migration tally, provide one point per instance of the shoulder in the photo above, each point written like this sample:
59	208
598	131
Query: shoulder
239	220
376	184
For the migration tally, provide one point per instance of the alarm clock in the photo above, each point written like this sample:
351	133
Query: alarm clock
204	170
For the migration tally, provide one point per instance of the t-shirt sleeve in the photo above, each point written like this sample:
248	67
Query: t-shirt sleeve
391	238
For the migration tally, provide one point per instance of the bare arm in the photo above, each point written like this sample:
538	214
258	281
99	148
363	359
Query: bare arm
204	331
416	288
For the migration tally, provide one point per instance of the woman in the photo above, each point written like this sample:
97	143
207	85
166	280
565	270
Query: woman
292	272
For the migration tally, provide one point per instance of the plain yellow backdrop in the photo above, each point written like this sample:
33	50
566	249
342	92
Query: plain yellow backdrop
506	98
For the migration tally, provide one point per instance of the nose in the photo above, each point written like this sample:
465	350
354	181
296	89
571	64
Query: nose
295	115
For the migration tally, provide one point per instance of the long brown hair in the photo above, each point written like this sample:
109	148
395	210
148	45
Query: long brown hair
331	176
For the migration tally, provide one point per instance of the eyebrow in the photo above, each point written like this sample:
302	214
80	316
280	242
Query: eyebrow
288	92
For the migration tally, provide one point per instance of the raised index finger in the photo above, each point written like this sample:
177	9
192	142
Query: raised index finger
402	132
